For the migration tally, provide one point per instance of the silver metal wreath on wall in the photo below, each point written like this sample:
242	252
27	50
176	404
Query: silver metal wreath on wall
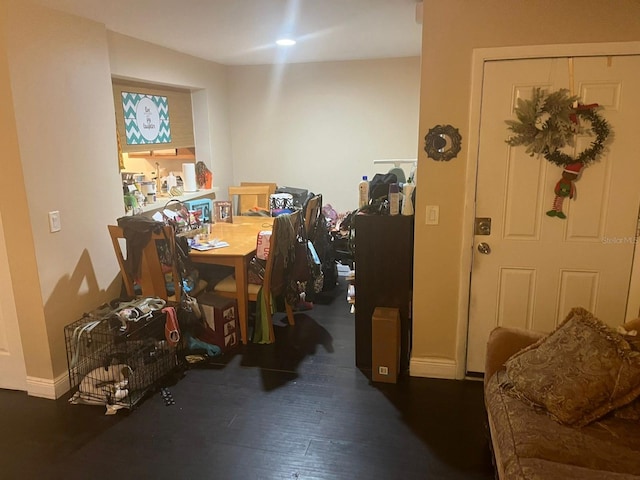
442	142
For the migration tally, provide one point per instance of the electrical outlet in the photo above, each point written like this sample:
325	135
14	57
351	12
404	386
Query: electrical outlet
383	370
54	221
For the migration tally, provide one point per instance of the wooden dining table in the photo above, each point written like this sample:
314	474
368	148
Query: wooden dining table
241	235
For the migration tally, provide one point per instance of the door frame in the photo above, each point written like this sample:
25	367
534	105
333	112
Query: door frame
479	57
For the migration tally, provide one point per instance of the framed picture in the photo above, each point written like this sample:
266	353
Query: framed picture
203	206
222	211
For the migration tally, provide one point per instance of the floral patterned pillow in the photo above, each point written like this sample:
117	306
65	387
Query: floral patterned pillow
578	373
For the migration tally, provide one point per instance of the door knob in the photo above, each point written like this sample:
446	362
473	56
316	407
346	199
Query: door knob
484	248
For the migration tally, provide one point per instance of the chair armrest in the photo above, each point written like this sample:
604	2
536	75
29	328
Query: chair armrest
503	343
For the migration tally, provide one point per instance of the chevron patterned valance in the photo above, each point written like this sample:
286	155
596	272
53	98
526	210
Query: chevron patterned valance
146	118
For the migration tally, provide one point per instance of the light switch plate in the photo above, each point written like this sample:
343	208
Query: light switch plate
54	221
433	215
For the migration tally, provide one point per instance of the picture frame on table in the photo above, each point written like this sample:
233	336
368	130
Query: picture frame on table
222	211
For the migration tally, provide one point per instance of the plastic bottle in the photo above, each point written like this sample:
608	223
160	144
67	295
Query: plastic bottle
172	181
407	202
363	190
394	199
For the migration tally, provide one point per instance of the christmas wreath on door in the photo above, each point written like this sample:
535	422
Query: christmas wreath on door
549	122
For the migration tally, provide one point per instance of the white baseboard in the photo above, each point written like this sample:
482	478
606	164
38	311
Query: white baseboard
47	388
433	367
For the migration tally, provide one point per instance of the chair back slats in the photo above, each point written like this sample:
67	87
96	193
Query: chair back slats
248	201
311	213
272	187
243	198
152	279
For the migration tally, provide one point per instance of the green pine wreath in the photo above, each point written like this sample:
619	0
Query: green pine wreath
549	122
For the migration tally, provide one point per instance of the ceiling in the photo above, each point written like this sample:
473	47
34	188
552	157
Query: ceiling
243	32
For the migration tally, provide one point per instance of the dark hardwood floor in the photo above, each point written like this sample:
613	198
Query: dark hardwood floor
297	409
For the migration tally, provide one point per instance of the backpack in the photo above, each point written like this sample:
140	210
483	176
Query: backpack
379	186
322	241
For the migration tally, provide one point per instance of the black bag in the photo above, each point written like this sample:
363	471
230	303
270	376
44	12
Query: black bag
379	186
301	270
256	272
322	241
137	231
299	194
186	267
189	274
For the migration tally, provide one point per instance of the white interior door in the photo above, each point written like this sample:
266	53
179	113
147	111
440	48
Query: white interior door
539	267
13	373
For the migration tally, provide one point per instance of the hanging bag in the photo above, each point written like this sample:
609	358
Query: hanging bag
301	264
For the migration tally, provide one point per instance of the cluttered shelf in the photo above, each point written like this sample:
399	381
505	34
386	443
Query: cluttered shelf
150	191
161	201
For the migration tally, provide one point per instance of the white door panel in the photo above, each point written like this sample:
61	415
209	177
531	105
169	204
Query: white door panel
540	267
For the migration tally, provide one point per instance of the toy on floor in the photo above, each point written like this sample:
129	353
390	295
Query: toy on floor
193	344
104	386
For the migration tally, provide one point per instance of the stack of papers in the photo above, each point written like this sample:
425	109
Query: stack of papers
209	245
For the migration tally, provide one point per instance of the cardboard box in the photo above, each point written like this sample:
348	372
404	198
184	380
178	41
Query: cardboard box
385	344
221	315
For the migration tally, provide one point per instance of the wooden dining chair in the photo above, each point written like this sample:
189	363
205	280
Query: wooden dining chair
159	275
272	186
311	212
285	228
248	197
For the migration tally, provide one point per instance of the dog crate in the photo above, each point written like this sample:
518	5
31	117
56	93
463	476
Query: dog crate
115	355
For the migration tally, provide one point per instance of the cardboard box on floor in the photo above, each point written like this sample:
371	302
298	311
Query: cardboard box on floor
221	315
385	347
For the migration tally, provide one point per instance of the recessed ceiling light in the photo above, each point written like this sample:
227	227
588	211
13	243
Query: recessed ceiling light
285	42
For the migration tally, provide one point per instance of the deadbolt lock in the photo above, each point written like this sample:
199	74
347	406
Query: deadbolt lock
482	226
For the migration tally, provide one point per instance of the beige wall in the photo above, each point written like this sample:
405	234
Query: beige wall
320	125
64	114
451	31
